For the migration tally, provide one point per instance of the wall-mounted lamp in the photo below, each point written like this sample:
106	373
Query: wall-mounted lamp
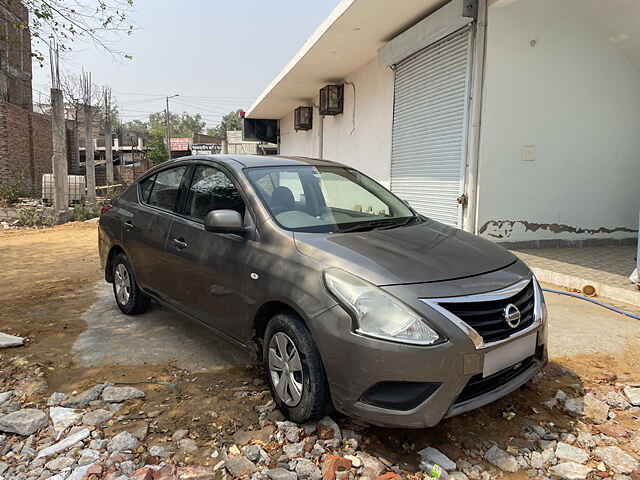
303	118
331	100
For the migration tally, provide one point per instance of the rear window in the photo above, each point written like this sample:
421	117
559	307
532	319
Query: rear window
145	188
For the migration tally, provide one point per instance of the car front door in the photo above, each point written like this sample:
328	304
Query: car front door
146	226
210	268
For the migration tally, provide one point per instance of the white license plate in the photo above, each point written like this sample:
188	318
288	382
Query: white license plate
509	354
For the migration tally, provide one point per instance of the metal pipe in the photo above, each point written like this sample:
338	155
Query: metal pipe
473	153
320	136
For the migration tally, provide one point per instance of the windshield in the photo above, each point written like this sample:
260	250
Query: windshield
327	199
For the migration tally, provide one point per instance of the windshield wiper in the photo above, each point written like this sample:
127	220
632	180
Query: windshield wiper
406	221
371	225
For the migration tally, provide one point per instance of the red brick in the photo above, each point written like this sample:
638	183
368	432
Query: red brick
333	464
389	476
325	433
144	473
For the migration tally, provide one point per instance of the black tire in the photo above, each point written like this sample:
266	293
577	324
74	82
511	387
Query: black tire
136	301
315	401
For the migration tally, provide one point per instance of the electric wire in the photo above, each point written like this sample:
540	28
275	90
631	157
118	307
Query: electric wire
596	302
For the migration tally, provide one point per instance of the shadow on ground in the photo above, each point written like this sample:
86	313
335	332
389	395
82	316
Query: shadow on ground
155	337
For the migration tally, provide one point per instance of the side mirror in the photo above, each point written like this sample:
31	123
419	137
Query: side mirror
224	221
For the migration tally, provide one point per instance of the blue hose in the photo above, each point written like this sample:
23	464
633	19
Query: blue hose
613	309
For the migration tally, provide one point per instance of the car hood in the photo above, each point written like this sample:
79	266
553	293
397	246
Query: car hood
425	252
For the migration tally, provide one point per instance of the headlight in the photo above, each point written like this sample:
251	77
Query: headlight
377	313
540	307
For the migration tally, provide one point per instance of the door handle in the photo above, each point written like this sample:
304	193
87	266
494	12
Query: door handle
180	243
129	225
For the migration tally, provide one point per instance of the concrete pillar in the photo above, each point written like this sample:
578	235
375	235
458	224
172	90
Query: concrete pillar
90	161
140	144
59	157
116	144
76	129
225	147
108	152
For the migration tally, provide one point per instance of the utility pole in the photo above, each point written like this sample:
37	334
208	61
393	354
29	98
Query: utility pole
168	125
108	136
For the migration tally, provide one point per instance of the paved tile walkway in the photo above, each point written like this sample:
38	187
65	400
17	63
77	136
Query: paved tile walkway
611	265
607	268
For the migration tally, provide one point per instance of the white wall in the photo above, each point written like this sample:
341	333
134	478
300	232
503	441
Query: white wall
555	80
301	143
368	146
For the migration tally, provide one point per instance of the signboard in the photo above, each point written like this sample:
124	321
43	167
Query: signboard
205	148
180	144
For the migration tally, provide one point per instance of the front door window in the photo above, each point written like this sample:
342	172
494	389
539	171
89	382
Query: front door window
211	189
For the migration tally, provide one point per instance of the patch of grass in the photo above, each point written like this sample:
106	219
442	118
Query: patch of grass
85	212
9	195
33	217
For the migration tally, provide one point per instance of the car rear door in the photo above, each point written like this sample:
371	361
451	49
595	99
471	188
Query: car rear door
146	226
211	266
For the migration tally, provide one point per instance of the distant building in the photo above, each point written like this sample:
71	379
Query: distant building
238	146
205	144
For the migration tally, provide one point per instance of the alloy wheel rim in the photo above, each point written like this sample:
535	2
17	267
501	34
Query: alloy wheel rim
285	368
123	284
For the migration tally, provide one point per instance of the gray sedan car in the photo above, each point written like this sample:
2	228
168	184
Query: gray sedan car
351	299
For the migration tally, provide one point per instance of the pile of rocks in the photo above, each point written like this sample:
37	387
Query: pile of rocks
597	446
66	440
69	441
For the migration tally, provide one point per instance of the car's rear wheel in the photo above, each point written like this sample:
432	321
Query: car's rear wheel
130	299
294	368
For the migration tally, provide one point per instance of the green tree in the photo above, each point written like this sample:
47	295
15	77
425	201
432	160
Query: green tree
156	149
136	127
230	121
182	124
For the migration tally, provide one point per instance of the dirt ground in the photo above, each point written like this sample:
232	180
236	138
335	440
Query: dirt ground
48	282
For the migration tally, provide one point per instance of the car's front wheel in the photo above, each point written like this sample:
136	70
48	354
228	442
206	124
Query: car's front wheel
130	299
296	375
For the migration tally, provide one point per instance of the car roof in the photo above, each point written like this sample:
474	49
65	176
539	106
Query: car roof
243	161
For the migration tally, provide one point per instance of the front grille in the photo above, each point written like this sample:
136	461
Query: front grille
487	317
478	386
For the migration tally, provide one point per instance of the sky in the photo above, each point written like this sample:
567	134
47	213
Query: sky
217	55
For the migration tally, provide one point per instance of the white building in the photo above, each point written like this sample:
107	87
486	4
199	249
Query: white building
518	120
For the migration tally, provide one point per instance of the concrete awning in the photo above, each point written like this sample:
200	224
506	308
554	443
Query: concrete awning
348	39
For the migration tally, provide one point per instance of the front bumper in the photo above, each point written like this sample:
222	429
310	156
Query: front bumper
451	373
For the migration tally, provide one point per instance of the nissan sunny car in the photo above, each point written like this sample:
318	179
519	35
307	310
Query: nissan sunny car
352	299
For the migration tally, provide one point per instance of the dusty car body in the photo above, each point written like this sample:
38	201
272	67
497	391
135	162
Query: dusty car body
315	300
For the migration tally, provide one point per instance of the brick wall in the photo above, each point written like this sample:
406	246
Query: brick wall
42	148
15	54
25	148
128	174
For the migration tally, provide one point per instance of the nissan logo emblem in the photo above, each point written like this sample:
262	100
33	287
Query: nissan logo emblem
511	315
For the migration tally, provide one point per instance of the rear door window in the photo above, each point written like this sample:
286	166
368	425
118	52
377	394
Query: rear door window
166	188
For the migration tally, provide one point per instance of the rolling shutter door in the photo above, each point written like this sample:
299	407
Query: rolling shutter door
430	120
